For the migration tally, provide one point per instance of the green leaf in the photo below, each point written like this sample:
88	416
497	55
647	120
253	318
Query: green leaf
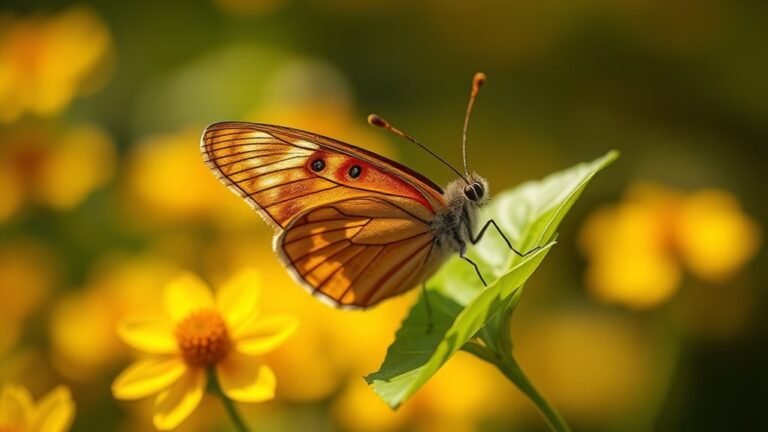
461	307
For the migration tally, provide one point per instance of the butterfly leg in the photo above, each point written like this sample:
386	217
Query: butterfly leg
462	255
428	307
509	244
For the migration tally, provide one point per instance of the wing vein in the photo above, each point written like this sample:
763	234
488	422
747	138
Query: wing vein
393	270
264	174
213	159
237	142
362	271
392	242
265	165
329	277
326	232
299	196
326	260
300	257
281	185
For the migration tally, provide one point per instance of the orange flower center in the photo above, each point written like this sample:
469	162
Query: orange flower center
203	338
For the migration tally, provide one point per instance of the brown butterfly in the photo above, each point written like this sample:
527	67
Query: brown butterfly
352	227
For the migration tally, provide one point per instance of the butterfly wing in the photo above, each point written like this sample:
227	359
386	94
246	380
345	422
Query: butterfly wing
353	239
357	252
271	168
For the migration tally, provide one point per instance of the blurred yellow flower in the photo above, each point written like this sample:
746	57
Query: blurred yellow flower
715	237
82	161
200	332
83	340
637	248
19	413
628	259
57	168
167	181
46	61
458	398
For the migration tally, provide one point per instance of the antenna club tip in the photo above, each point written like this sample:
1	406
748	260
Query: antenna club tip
478	81
375	120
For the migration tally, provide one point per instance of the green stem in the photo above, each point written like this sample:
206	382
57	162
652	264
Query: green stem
229	405
507	364
509	367
480	351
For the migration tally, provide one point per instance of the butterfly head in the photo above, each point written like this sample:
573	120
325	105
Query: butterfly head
474	191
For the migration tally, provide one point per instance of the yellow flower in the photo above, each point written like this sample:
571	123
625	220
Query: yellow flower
715	238
201	332
628	258
46	61
18	412
82	161
189	192
82	323
638	248
56	167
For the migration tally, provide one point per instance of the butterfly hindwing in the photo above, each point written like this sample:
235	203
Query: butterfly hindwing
358	252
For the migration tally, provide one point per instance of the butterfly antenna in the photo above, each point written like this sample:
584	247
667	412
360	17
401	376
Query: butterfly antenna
477	81
375	120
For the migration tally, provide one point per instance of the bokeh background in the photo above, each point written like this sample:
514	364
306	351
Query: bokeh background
648	315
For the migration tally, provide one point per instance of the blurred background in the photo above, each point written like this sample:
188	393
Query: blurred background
646	316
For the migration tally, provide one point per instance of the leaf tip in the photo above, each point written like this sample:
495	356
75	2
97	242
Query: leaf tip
611	156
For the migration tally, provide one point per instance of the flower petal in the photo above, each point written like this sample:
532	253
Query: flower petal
238	298
146	377
245	380
152	335
185	294
265	334
16	406
55	411
176	403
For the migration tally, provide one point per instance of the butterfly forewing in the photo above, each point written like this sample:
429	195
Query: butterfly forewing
260	168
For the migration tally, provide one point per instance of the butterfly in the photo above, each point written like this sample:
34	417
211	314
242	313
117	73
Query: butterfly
353	227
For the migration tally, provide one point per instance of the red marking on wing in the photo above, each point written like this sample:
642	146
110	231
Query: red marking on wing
371	178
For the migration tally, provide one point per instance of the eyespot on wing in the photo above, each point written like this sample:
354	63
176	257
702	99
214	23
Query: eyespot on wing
348	171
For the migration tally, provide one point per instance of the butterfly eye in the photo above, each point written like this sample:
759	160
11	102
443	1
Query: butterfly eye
474	192
355	171
318	165
478	190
